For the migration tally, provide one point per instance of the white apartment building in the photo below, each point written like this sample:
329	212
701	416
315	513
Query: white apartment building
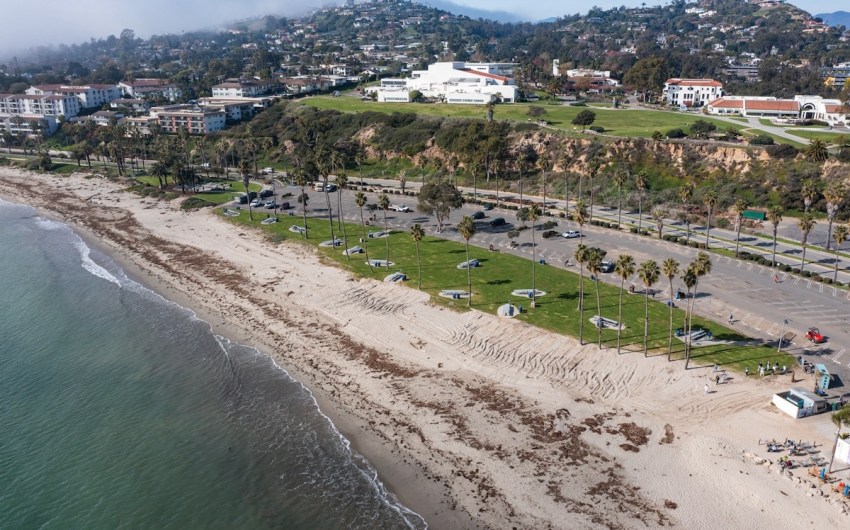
691	92
148	88
236	109
28	125
241	88
454	82
196	120
30	114
89	96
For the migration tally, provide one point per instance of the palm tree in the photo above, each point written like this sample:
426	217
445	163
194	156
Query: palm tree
740	206
417	233
533	215
159	170
594	266
322	161
817	151
466	227
774	215
624	268
245	171
649	273
689	278
839	236
640	183
806	223
620	177
809	193
581	258
710	201
686	193
580	215
670	268
384	204
658	215
360	201
834	196
700	267
301	181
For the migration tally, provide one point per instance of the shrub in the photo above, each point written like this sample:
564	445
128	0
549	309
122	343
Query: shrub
548	225
676	133
722	222
781	151
633	230
549	233
762	139
194	203
683	241
597	129
806	274
693	244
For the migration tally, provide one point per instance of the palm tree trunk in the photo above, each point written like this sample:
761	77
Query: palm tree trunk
829	233
468	277
533	268
773	258
640	212
581	304
339	210
737	237
707	228
803	259
598	314
387	238
303	211
620	313
419	266
670	336
619	211
645	320
363	234
330	213
690	326
687	233
835	278
342	226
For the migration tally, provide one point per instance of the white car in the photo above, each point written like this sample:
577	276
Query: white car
571	234
400	208
256	203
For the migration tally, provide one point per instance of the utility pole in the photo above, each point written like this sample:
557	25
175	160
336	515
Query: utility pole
781	334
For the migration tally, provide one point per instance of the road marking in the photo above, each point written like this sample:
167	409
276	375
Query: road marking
750	267
739	263
820	287
839	354
796	280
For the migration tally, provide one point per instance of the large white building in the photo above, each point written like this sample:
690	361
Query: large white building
89	96
691	92
801	107
31	114
196	120
242	88
148	88
454	82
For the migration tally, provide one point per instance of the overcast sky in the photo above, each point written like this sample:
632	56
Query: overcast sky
32	23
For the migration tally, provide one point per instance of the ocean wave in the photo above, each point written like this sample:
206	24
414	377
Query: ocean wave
89	264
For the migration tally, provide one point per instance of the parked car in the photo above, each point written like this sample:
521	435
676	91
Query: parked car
319	186
487	207
571	234
477	215
256	203
270	205
498	221
331	188
266	193
242	199
607	266
815	336
400	208
285	206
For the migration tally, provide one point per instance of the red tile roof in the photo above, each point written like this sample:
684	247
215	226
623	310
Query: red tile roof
778	105
727	103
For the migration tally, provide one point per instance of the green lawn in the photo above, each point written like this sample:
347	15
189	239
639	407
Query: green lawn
617	122
233	189
777	139
827	137
500	273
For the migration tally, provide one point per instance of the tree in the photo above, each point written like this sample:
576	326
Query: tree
700	267
774	215
342	183
323	160
245	171
160	171
580	215
710	201
581	256
301	181
384	204
806	223
658	215
640	183
491	108
533	216
740	206
584	118
817	151
839	236
647	75
648	273
536	112
834	196
360	201
689	278
417	233
670	268
620	177
702	128
594	266
809	193
841	419
466	227
686	193
624	268
439	200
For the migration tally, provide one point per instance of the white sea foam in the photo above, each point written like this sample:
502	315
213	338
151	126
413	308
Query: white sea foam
90	265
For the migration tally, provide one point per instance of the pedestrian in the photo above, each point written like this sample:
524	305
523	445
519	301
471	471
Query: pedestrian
746	371
731	318
715	367
716	379
706	388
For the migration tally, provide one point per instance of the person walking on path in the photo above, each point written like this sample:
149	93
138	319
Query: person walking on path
706	389
731	318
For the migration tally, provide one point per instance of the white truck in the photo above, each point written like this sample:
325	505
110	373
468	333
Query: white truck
400	208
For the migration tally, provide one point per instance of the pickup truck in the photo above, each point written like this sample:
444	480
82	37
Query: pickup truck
399	208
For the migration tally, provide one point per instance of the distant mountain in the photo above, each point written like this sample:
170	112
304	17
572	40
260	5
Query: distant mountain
472	12
839	18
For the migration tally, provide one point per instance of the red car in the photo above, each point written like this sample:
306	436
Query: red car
814	335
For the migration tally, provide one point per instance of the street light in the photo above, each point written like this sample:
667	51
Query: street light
781	333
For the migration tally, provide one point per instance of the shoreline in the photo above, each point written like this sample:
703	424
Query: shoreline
470	421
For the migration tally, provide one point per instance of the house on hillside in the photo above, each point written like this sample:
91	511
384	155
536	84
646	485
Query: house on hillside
149	88
691	92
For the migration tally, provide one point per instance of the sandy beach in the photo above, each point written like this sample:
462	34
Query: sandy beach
472	421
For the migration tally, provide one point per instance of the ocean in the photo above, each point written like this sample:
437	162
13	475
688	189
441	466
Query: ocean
120	409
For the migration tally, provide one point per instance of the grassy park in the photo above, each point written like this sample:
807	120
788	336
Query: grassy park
501	273
617	122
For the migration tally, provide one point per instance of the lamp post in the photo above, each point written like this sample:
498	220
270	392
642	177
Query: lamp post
781	333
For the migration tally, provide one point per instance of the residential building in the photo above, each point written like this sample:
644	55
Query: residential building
148	88
35	114
89	96
836	76
28	125
242	88
196	120
454	82
691	92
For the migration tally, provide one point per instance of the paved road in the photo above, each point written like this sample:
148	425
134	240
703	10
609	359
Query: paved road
744	289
